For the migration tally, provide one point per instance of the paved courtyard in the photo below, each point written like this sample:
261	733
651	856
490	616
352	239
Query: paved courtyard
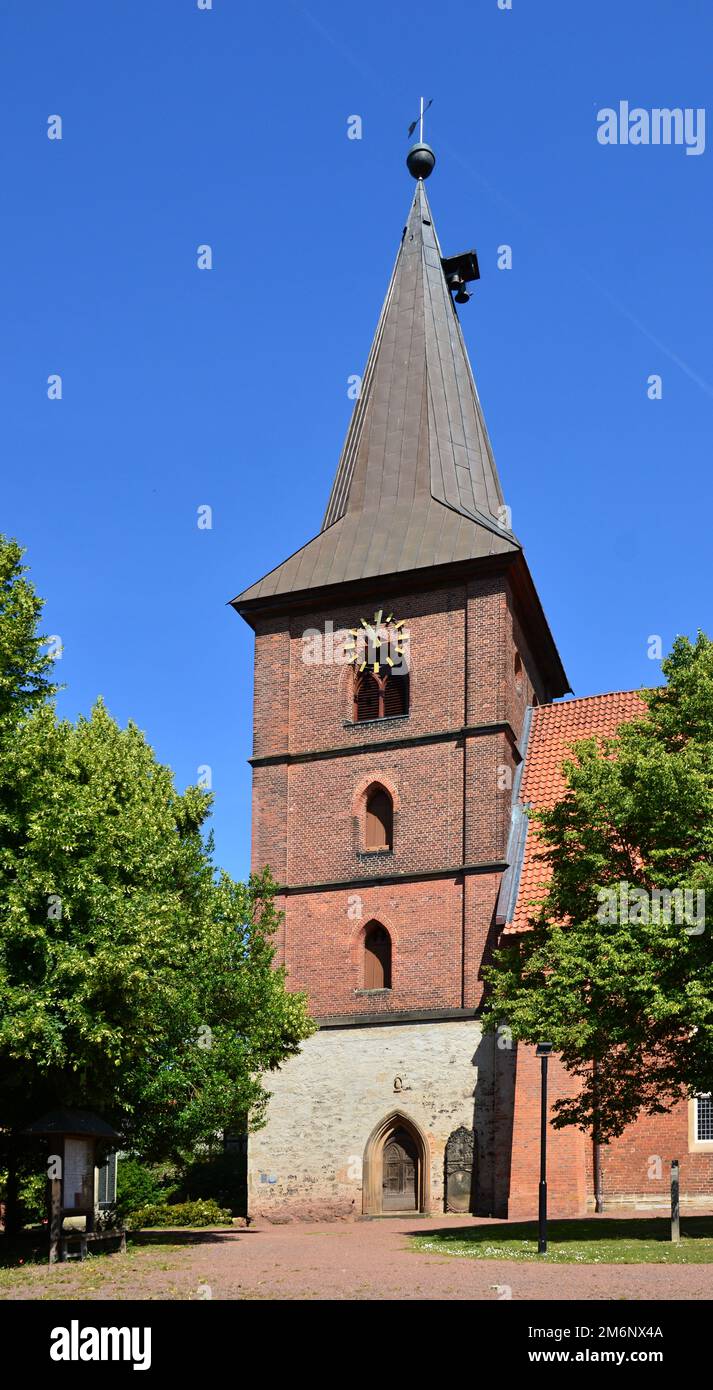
359	1260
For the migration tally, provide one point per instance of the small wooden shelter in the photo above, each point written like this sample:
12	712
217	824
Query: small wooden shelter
74	1137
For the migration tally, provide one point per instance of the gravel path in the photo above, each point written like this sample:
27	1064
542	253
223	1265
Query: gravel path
359	1260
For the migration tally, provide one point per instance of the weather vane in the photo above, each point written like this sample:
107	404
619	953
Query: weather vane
420	158
419	120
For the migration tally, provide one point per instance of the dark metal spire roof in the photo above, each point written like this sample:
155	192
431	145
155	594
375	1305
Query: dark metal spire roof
416	484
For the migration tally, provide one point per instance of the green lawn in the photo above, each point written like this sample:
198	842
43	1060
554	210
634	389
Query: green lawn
606	1240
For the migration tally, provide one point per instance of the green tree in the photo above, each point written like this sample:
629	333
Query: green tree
24	667
616	974
25	685
134	979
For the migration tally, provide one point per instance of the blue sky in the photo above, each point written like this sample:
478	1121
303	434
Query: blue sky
228	387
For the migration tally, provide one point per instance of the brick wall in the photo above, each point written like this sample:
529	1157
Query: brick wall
566	1148
452	797
636	1168
320	693
327	828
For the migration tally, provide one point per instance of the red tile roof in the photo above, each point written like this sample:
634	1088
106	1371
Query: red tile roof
554	729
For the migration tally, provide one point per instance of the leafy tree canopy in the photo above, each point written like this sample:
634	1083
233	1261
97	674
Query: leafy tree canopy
24	667
134	981
617	971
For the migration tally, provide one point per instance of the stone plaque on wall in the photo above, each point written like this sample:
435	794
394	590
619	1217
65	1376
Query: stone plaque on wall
460	1158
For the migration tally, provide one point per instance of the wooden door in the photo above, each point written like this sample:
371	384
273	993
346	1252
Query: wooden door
377	959
400	1179
379	821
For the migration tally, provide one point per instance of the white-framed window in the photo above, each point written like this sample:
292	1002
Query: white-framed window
700	1123
106	1181
703	1119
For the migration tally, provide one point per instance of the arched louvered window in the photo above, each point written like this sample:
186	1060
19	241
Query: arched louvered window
395	696
380	697
377	957
367	697
379	819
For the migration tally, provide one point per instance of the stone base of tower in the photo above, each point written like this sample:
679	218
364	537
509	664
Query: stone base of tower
338	1108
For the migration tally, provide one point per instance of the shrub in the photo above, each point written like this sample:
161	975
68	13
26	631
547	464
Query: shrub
33	1198
220	1177
179	1214
139	1185
32	1192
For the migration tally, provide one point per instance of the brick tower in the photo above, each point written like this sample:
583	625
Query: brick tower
396	657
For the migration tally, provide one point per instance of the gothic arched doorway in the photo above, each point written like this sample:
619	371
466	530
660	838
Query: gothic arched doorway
396	1168
399	1173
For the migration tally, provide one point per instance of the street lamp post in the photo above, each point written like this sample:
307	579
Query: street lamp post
543	1051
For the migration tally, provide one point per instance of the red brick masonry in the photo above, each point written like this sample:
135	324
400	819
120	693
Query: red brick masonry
635	1168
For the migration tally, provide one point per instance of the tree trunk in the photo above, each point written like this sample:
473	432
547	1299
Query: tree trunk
12	1192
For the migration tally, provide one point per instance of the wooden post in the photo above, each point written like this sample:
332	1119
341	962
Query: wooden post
596	1146
55	1219
675	1201
90	1221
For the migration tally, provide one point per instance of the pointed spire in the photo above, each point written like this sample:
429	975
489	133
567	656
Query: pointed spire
416	485
418	427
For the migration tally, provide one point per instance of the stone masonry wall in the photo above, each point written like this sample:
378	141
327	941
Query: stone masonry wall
307	1161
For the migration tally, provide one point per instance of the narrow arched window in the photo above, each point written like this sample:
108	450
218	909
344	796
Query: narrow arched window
518	673
377	957
379	819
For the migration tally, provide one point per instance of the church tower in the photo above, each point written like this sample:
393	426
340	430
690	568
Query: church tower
397	655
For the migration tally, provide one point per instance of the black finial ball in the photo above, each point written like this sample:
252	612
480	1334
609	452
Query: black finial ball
420	161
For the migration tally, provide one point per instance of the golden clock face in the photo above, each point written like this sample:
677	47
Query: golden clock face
377	645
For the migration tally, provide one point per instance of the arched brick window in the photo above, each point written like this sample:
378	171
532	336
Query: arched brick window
377	957
380	697
379	819
518	673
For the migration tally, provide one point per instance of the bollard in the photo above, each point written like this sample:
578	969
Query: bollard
675	1201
